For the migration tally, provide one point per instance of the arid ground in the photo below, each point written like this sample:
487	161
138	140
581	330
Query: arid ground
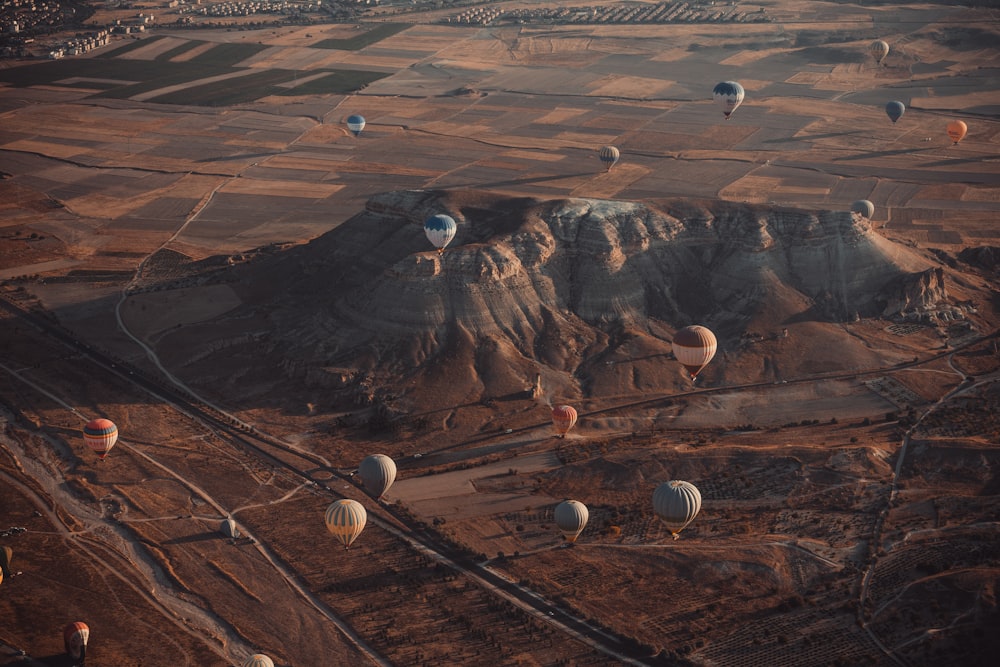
850	508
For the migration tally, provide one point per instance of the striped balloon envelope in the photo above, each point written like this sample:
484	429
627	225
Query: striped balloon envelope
571	518
609	156
694	347
345	519
75	638
100	435
563	419
676	503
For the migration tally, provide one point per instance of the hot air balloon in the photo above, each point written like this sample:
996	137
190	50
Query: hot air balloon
6	555
864	208
258	660
676	503
880	49
377	473
75	638
440	230
728	95
571	518
356	123
694	347
100	435
957	130
345	519
894	110
563	419
609	156
228	528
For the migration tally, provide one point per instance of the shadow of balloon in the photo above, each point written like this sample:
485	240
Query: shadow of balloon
533	179
58	660
948	162
810	137
901	151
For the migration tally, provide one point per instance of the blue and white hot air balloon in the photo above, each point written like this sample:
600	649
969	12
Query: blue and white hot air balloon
356	123
728	95
440	230
895	110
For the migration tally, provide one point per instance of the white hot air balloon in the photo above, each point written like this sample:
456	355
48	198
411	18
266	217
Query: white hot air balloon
728	96
676	503
694	347
440	229
571	518
377	473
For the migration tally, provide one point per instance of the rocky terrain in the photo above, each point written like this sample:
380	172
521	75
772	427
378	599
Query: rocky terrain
557	287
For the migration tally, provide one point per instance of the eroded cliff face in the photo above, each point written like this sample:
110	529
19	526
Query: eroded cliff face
551	286
602	263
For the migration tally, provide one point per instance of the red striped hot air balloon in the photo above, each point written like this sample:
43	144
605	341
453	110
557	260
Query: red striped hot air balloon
100	435
563	419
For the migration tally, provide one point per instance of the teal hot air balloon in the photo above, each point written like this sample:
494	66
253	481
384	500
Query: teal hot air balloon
440	230
356	123
895	110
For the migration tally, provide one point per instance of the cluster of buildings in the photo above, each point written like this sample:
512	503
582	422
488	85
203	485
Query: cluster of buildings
664	12
223	9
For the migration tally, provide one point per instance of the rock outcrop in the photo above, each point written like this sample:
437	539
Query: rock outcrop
530	285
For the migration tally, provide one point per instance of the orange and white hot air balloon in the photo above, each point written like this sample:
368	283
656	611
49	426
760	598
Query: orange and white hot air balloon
957	130
75	638
694	347
563	419
100	435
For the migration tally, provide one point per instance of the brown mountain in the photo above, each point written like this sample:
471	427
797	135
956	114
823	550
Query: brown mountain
585	292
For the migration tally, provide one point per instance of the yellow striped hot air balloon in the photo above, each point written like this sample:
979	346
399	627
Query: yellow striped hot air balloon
258	660
345	519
